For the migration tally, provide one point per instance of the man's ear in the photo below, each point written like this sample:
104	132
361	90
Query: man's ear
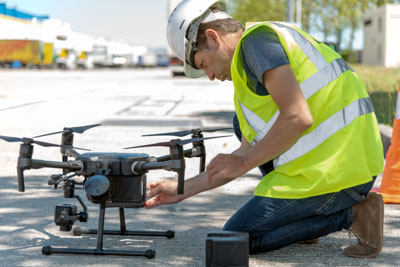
213	37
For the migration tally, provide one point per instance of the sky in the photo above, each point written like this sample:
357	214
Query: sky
139	22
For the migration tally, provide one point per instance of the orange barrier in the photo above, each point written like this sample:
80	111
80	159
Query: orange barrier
390	187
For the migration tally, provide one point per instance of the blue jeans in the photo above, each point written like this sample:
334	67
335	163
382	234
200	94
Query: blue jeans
274	223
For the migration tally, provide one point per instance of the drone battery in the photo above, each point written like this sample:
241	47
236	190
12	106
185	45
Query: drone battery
244	235
227	248
128	191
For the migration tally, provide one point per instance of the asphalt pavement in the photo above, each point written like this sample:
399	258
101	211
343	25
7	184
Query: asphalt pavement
128	104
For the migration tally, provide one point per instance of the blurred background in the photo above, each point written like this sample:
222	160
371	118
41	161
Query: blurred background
68	63
89	35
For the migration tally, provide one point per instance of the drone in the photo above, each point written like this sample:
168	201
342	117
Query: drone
109	179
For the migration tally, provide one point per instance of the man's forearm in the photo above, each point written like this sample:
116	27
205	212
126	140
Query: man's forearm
282	136
201	183
294	117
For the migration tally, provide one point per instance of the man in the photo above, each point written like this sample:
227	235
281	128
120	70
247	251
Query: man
303	116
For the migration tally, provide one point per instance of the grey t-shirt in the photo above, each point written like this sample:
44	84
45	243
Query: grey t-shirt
261	50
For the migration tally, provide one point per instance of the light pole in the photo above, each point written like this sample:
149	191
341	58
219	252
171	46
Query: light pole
290	12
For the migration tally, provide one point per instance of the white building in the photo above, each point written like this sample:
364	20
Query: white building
382	36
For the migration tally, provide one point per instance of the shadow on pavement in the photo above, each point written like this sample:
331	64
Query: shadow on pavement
27	224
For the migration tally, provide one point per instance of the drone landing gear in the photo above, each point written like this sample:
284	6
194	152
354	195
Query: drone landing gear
150	254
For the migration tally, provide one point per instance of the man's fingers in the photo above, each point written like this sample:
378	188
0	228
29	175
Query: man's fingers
153	189
152	192
211	168
153	202
152	185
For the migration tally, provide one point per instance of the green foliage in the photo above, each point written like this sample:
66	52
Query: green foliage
384	106
330	17
259	10
382	2
378	79
382	85
349	56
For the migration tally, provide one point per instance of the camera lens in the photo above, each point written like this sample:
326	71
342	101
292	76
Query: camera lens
64	216
97	189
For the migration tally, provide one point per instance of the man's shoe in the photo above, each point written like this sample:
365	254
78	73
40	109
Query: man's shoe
367	227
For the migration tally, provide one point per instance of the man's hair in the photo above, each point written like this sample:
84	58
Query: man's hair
222	26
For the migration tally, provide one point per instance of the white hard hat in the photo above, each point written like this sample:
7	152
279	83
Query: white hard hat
182	28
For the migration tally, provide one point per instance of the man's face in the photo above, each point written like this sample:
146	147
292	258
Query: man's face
215	62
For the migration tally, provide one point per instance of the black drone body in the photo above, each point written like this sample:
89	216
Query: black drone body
109	179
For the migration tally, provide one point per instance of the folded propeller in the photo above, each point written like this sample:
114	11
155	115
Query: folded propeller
80	130
26	140
193	131
174	142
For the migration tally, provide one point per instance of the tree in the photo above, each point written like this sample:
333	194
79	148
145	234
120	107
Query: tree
326	15
330	17
307	10
353	16
258	10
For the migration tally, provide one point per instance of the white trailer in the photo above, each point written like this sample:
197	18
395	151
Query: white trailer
381	36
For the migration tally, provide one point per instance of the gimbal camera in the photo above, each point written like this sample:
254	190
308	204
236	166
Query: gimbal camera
109	179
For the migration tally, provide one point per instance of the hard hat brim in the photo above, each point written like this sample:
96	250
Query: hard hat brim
192	72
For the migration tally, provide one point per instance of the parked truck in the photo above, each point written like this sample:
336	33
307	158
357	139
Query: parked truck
26	53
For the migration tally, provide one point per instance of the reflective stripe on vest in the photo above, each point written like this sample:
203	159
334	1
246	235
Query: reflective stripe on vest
309	87
326	74
326	129
308	49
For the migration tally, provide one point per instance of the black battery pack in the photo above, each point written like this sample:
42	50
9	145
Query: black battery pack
227	248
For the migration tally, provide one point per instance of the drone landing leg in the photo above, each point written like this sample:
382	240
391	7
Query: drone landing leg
168	234
150	254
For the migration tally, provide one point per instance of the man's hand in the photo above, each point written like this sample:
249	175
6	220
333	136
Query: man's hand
161	193
224	168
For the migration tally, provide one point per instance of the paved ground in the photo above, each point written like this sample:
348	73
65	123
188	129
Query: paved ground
130	103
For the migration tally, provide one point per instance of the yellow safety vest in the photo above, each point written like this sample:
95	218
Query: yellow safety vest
341	149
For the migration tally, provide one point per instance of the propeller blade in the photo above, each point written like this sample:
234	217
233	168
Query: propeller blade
210	130
187	141
179	134
187	132
82	129
79	129
45	144
40	143
180	142
155	144
10	138
48	134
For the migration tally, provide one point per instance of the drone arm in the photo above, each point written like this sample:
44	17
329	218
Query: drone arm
202	163
155	166
163	158
141	167
21	183
72	165
174	165
181	181
197	151
28	163
188	153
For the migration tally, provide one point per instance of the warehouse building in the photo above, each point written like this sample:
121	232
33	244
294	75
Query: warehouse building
381	36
